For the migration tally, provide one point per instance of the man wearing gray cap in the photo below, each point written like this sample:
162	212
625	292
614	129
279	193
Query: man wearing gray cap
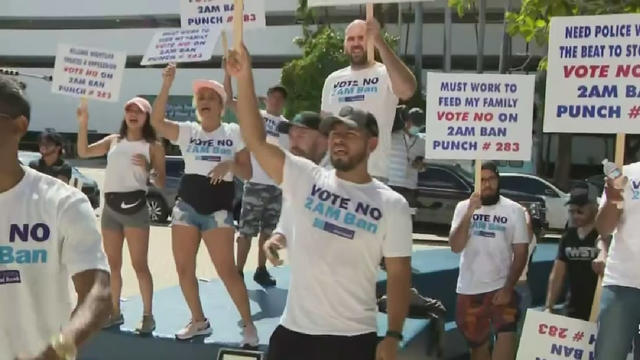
337	215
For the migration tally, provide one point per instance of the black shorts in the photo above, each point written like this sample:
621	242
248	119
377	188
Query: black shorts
290	345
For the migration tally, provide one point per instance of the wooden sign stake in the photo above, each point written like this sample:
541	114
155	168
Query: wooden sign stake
370	48
478	177
238	21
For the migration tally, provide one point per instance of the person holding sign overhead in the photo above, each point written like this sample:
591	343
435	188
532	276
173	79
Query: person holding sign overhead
130	155
213	153
619	319
331	305
370	86
491	233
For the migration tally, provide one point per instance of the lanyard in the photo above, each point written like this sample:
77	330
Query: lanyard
408	147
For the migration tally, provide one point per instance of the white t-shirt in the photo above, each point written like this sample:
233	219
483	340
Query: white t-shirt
487	258
622	262
339	233
49	233
370	90
271	122
404	150
202	150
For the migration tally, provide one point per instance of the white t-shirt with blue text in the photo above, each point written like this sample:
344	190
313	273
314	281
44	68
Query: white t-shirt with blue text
369	90
486	260
49	233
338	233
202	150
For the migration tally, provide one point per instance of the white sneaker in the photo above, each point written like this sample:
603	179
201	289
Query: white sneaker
194	329
249	337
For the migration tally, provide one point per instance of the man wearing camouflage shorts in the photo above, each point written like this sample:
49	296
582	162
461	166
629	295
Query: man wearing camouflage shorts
262	199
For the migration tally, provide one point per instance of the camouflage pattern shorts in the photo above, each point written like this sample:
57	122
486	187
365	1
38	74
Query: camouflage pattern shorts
261	205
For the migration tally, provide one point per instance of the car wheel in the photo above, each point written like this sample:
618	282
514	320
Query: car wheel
158	212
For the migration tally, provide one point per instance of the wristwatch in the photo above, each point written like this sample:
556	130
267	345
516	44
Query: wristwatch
394	334
64	348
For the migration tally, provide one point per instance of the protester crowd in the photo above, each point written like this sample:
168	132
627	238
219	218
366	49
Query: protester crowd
346	155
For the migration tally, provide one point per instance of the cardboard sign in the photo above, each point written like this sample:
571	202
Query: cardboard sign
592	78
554	337
219	13
88	73
479	116
190	45
314	3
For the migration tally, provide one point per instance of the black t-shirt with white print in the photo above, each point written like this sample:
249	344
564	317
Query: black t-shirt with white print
578	253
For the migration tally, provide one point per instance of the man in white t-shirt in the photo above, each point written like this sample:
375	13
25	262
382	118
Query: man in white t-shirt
261	198
49	234
406	158
619	317
490	232
344	222
374	87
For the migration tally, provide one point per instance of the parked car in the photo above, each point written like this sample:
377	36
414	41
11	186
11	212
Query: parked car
89	186
555	199
161	201
442	186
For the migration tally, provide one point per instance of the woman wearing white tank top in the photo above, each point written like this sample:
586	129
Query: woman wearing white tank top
130	155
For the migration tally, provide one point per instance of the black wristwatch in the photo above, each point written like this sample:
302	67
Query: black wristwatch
394	334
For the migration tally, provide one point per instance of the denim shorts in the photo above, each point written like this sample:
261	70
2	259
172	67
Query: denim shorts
184	214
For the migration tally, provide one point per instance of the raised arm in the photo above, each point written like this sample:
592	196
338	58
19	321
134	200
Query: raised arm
403	82
459	235
84	149
270	157
165	128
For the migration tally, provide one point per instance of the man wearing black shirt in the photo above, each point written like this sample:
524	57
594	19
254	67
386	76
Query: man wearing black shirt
578	248
51	162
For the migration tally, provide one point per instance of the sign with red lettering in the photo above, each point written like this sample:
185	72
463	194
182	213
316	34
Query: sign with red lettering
593	73
190	45
88	72
219	13
554	337
479	116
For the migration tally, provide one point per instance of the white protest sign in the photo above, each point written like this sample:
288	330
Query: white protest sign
554	337
219	13
314	3
592	78
181	46
87	72
479	116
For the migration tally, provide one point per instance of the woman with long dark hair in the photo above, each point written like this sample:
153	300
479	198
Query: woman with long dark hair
213	153
130	155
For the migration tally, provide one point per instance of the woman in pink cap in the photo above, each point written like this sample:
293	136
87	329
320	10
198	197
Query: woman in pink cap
130	156
213	153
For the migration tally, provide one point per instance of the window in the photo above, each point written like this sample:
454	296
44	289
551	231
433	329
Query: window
438	178
526	185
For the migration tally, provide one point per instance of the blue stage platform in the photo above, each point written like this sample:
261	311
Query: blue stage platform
434	275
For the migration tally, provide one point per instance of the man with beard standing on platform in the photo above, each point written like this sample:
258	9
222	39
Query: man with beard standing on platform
331	306
490	232
370	86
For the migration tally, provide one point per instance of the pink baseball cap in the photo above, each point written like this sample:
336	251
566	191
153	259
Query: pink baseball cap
141	103
210	84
